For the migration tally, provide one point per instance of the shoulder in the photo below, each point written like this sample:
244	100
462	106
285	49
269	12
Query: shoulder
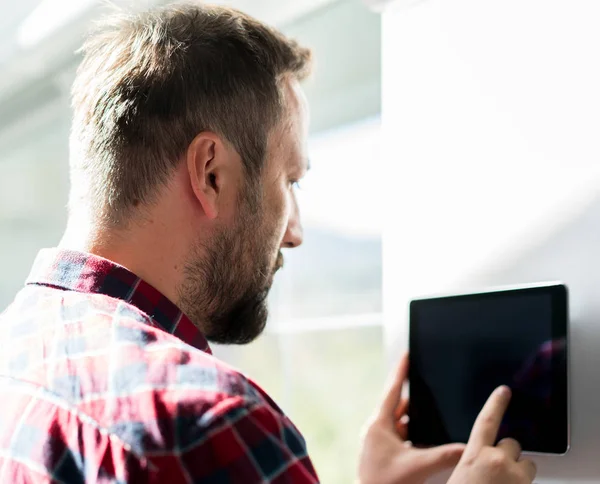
109	337
165	400
45	306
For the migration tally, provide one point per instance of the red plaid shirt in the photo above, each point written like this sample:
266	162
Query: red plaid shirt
103	379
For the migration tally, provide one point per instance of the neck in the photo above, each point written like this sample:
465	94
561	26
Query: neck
144	249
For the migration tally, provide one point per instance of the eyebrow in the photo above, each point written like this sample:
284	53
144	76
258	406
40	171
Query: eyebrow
308	164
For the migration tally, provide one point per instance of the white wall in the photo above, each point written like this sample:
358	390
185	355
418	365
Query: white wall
491	116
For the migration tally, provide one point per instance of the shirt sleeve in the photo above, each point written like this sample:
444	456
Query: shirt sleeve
247	442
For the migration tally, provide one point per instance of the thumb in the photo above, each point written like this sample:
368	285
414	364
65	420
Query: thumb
436	459
394	391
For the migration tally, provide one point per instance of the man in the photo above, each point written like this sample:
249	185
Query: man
189	134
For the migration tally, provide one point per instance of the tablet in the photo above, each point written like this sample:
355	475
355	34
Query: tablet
463	346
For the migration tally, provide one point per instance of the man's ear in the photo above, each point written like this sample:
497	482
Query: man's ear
206	160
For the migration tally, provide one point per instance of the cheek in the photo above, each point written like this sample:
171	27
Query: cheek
275	229
284	212
279	207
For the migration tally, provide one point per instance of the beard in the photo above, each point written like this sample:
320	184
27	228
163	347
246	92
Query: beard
227	280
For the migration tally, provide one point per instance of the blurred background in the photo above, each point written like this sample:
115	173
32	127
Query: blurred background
322	355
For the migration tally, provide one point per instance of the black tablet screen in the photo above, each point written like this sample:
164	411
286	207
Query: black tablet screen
462	347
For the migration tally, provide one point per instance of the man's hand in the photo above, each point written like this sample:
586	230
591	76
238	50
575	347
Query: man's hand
386	457
484	463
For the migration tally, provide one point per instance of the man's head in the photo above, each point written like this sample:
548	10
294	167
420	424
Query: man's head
188	134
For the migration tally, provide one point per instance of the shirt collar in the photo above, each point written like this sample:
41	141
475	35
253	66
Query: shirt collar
88	273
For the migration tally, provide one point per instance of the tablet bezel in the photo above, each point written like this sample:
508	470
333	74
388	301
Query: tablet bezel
560	329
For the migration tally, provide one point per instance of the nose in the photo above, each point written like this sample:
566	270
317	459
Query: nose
294	233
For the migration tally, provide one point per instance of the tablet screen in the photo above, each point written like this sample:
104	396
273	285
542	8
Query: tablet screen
463	347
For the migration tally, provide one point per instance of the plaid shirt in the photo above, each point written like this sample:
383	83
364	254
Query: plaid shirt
103	379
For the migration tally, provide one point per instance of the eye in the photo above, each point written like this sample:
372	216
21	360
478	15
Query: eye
295	184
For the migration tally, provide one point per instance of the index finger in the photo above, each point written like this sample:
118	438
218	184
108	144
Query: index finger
485	429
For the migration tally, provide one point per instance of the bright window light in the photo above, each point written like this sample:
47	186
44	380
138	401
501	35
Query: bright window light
341	191
48	18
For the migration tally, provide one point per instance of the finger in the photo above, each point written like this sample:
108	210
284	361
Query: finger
394	392
436	459
401	409
402	430
489	419
511	447
529	468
